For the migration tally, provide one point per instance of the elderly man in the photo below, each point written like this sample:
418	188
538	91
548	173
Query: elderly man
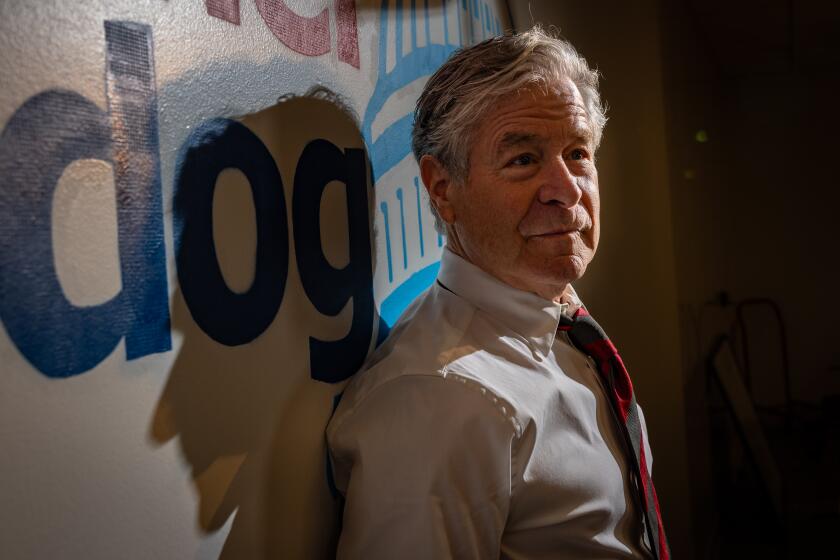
497	420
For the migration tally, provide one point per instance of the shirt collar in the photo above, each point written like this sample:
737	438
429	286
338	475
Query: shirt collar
527	314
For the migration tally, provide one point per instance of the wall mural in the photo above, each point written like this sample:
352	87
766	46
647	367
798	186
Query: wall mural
210	215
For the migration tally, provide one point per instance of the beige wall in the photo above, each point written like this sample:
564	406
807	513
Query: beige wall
631	286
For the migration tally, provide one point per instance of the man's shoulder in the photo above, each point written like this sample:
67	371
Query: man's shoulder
440	348
420	343
409	393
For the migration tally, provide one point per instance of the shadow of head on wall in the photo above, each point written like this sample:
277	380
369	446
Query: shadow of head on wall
273	236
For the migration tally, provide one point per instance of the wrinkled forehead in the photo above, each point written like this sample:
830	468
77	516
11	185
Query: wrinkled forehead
559	102
565	89
562	94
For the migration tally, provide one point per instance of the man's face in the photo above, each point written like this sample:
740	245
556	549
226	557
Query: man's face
528	212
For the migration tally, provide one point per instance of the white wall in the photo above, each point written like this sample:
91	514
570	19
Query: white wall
127	433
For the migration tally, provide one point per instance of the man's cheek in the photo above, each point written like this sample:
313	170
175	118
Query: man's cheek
594	237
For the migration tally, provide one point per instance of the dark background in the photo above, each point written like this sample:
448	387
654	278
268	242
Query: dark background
719	189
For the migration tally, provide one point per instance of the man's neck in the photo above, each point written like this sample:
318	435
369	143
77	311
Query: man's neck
556	293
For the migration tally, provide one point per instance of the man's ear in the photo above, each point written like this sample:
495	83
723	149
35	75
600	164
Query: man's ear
439	185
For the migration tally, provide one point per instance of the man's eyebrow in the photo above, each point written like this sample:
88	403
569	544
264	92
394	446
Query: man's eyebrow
585	136
513	138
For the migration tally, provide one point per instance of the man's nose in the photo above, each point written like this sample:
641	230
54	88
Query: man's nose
560	185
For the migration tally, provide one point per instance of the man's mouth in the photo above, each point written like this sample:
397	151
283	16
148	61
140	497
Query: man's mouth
556	233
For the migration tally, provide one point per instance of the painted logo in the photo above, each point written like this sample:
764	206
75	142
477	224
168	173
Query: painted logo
408	247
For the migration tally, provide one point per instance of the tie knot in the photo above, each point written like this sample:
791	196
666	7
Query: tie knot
584	332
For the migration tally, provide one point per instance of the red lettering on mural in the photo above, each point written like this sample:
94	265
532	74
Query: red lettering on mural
227	10
348	37
306	35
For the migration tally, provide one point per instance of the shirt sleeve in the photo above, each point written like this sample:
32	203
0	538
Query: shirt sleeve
424	463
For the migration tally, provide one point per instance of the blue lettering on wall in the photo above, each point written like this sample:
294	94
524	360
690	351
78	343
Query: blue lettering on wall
329	288
132	107
226	316
47	133
53	129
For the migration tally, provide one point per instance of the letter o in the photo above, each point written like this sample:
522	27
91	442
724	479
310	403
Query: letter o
226	316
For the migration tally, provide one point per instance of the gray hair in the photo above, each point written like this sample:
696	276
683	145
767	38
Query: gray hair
475	78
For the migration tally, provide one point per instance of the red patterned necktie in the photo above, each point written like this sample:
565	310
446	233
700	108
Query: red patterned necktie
591	339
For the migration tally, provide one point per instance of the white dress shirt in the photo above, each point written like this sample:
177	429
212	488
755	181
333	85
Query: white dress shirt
478	431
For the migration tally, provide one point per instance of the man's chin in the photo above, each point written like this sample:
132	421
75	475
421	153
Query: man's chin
566	268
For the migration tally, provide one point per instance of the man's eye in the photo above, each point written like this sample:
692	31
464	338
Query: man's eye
578	154
521	160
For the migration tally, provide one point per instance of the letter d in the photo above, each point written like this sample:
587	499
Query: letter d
47	133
